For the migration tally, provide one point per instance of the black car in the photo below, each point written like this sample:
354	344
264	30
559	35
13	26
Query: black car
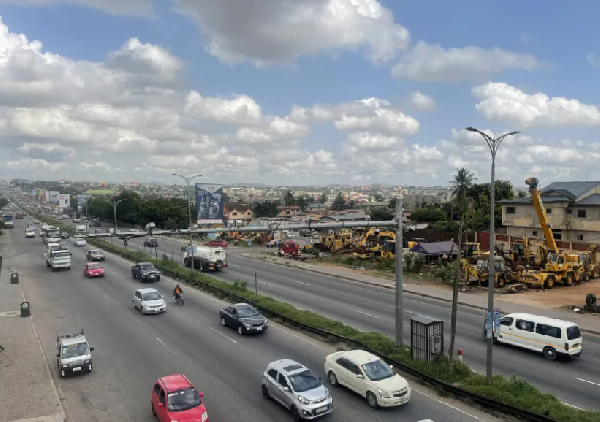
145	271
64	235
244	318
151	243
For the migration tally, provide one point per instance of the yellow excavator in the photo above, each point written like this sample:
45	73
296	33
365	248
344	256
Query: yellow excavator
479	271
529	251
373	244
560	267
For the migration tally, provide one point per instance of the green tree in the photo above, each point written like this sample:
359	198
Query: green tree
289	199
225	197
428	215
478	216
378	197
266	209
381	214
461	183
339	203
3	202
303	202
323	198
392	203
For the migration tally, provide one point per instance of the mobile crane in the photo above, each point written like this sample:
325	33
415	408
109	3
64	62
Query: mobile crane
559	267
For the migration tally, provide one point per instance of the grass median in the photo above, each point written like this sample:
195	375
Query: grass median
514	391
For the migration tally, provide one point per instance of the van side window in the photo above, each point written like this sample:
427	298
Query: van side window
506	321
548	330
573	332
525	325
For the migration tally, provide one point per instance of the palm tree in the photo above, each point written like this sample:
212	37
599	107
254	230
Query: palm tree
463	180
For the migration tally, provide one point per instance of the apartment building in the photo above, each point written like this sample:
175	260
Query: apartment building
573	210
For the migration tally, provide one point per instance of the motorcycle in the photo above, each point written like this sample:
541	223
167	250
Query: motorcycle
178	300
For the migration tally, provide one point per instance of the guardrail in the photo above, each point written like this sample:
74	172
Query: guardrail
456	391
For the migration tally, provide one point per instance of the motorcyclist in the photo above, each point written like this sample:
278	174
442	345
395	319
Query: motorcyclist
177	292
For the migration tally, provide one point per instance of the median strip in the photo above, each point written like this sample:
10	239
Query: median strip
514	395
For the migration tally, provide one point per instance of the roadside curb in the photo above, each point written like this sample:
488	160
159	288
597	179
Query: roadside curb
391	287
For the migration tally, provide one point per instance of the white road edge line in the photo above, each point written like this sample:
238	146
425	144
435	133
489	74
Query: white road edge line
447	404
267	284
236	266
299	282
163	343
221	334
369	315
571	405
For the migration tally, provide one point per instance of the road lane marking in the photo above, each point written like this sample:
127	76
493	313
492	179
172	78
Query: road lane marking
447	404
369	315
299	282
163	343
573	406
221	334
236	266
416	313
589	382
267	284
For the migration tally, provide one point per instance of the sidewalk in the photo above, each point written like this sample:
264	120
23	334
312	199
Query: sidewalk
587	323
26	386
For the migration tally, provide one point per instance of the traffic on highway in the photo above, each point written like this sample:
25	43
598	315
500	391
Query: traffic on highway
199	359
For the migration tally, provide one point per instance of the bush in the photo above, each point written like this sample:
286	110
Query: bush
514	391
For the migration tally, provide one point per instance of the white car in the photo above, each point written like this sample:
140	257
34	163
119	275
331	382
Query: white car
30	233
367	375
80	242
149	301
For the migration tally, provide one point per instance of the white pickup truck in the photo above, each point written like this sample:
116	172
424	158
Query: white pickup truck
58	259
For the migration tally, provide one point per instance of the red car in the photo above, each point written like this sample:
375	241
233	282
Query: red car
174	398
93	269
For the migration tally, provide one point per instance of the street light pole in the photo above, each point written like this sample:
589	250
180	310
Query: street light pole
115	204
188	181
493	144
399	279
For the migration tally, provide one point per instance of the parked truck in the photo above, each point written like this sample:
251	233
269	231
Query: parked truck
58	259
73	354
80	229
205	258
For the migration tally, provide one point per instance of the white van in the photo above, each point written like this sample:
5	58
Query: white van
550	336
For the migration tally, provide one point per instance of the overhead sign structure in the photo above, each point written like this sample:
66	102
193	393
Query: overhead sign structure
209	203
64	200
82	200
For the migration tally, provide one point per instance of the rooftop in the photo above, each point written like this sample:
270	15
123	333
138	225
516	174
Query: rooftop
563	192
175	382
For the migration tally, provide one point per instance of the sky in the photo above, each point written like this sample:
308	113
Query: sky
298	92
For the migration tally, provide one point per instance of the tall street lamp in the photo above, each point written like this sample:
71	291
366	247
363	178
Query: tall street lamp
115	204
188	181
493	144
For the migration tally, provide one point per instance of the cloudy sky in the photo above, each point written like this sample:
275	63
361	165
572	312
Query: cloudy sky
298	91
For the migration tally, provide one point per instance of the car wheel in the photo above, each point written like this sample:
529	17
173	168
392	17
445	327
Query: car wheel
549	353
154	411
223	322
265	392
62	374
158	278
240	330
332	379
133	304
295	413
372	400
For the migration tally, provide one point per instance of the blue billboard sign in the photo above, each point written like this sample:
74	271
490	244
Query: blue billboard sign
209	203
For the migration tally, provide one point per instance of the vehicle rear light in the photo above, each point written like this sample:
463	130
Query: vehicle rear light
567	347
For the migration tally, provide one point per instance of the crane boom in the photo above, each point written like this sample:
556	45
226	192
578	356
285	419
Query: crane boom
536	196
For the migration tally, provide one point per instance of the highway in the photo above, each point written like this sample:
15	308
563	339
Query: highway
132	351
370	308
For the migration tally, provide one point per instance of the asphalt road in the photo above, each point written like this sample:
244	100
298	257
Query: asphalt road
369	308
132	351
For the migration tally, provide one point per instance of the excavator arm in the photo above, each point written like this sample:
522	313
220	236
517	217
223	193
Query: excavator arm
533	184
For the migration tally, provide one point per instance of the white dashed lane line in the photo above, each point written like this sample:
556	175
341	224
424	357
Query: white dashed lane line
223	335
369	315
589	382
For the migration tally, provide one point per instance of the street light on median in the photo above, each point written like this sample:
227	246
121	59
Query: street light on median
493	144
188	181
114	204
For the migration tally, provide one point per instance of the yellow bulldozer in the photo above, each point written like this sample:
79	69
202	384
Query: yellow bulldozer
529	251
479	272
373	244
338	241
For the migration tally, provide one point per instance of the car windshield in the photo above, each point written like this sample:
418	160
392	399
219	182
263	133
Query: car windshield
184	399
146	266
573	333
304	381
378	370
75	350
151	296
94	267
247	311
94	253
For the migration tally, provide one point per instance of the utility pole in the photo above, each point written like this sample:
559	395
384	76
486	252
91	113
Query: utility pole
188	181
399	280
115	204
493	144
455	294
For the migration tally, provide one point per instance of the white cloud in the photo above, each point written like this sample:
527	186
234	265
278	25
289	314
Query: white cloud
278	31
241	109
116	7
420	101
373	141
433	63
505	103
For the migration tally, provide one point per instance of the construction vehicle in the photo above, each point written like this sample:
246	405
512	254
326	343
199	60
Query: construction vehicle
588	260
560	267
338	241
479	272
372	244
414	242
530	251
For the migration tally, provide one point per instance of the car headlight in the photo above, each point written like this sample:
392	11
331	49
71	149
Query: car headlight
266	322
204	416
247	325
86	362
65	366
303	400
383	394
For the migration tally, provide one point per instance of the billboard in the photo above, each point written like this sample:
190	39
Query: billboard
209	203
64	200
53	196
82	201
42	195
